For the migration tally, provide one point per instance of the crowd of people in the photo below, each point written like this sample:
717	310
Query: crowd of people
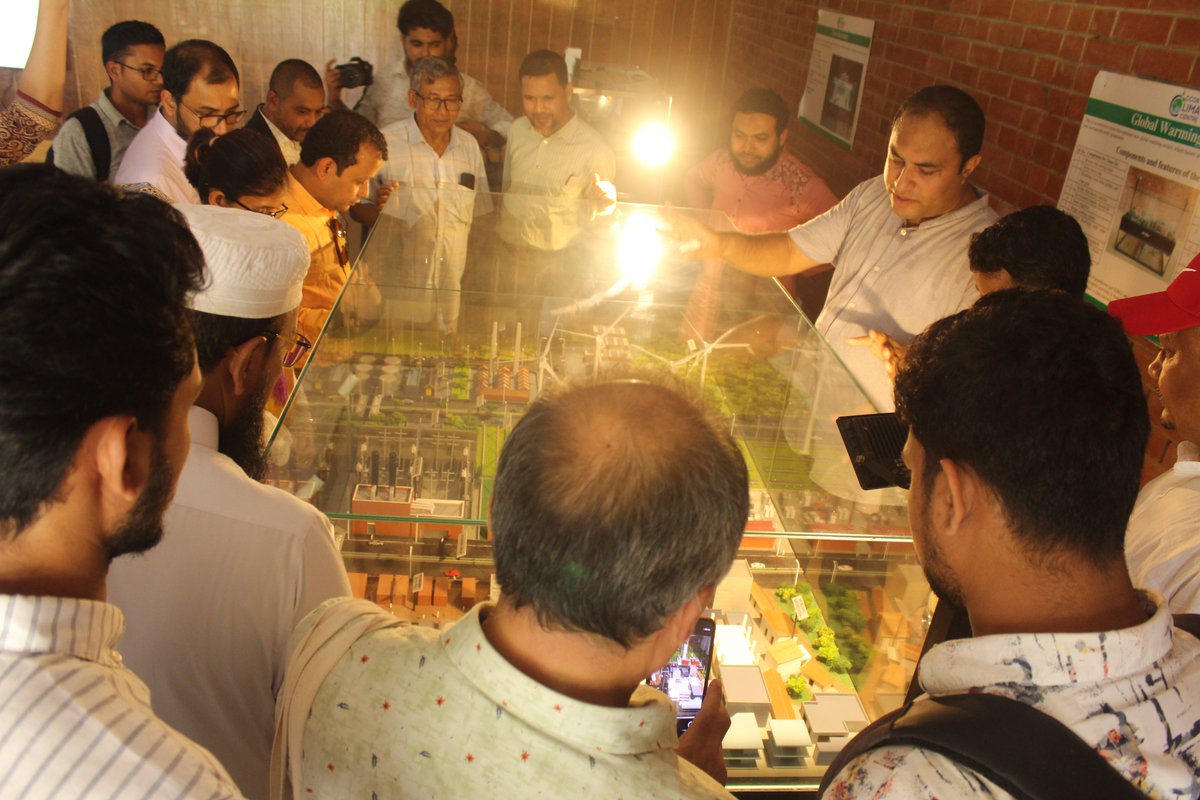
162	276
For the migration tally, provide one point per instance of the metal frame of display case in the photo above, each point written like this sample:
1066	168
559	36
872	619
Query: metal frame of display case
398	417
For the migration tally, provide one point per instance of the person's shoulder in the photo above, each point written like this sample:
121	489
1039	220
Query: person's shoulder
908	772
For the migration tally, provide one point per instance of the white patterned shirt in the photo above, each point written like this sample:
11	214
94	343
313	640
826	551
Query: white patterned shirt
155	157
417	712
1132	694
1162	543
888	277
75	723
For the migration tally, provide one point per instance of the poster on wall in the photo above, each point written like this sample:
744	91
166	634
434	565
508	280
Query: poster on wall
833	94
1134	183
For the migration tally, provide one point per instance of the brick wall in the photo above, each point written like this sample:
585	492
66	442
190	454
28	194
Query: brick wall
1029	63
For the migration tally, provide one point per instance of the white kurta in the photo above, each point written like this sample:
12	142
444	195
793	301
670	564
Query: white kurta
155	156
1162	543
211	608
888	277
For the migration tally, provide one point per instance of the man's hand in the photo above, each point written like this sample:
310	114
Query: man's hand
883	347
701	743
385	191
603	195
695	239
333	86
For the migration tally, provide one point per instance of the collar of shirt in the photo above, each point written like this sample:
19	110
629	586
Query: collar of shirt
976	206
305	203
1049	659
204	426
647	725
565	133
116	118
87	629
290	149
165	131
1187	459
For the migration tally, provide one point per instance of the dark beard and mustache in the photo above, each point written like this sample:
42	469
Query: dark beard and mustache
142	527
242	438
761	168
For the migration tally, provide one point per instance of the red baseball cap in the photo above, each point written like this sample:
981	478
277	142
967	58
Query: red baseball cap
1163	312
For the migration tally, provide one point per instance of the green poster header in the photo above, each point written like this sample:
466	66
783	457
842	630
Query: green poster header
1162	127
845	36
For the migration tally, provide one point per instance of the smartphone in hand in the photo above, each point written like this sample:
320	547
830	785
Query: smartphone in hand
685	677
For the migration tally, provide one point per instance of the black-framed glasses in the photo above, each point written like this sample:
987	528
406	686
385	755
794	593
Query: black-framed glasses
149	74
273	213
434	103
230	118
299	347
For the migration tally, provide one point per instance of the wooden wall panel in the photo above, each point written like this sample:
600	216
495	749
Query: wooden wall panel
682	43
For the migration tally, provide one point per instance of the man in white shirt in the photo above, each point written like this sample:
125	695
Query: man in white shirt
443	186
1162	543
1027	426
200	90
210	611
542	693
132	53
97	372
898	242
295	99
426	29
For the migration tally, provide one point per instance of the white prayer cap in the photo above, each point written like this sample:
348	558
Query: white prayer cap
255	265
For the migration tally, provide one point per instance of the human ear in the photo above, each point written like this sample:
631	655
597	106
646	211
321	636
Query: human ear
969	166
244	363
961	491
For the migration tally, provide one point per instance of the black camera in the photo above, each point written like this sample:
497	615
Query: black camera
356	73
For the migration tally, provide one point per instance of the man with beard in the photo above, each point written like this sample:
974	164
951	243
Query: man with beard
97	371
1027	427
210	611
755	181
295	97
898	242
200	90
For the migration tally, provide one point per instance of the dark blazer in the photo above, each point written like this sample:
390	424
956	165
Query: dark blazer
258	122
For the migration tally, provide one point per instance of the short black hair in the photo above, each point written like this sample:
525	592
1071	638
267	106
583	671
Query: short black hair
764	101
195	58
241	163
1040	246
291	71
118	39
614	504
217	334
958	110
428	14
544	62
93	285
339	135
1038	393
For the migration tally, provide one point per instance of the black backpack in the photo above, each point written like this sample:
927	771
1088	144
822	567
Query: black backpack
97	139
1025	752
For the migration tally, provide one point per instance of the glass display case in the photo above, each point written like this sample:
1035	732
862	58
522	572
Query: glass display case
458	314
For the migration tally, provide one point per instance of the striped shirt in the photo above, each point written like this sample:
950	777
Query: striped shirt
75	723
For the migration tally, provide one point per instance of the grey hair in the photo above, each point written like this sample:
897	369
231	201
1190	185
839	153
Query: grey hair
429	69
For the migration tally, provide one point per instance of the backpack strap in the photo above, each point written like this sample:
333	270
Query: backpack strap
97	140
1025	752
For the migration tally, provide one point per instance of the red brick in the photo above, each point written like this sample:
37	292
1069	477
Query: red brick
1028	92
1072	47
1043	41
1006	137
1037	180
975	28
1015	62
923	18
1107	54
1046	70
1080	19
958	49
1102	22
947	23
1059	15
996	8
1171	5
1030	12
1054	188
1186	32
995	83
1050	128
1168	65
938	67
1005	34
1148	28
985	56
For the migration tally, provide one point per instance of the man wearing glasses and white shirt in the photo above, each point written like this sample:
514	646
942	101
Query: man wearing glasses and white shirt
443	186
200	90
241	563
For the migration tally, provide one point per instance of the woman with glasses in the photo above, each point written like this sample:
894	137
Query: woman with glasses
242	169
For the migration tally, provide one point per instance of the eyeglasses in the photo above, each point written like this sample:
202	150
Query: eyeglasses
434	103
213	120
273	213
149	74
299	347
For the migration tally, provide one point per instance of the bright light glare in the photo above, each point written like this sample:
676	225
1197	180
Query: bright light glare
639	249
654	145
